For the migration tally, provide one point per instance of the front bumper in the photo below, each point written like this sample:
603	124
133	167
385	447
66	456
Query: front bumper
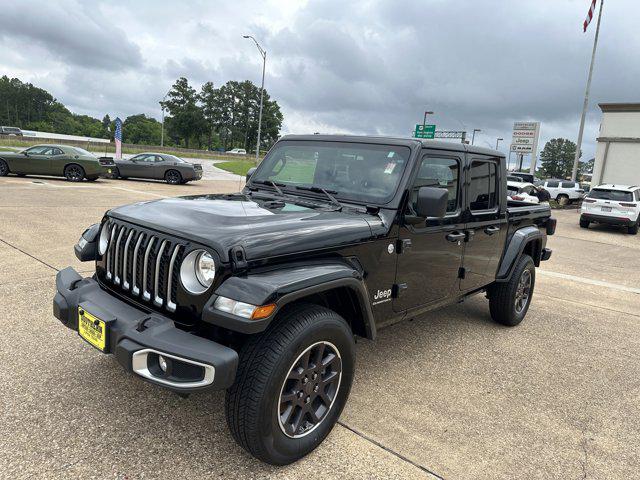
136	338
609	220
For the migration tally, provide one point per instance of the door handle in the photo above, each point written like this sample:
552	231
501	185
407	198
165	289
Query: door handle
455	237
491	230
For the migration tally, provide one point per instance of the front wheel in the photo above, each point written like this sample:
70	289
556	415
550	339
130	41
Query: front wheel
509	301
74	173
292	384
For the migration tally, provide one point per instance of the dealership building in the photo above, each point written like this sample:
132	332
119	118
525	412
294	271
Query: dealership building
618	149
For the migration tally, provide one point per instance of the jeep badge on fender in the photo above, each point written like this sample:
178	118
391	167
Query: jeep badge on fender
224	291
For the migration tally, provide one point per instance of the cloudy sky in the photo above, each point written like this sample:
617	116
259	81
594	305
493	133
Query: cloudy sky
336	66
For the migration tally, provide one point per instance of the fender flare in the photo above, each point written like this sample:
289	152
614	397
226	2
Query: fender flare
283	286
519	240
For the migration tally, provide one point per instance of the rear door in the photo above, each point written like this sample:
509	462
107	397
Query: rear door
431	249
486	225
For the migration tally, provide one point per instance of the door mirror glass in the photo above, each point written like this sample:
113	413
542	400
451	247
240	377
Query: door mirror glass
250	172
432	202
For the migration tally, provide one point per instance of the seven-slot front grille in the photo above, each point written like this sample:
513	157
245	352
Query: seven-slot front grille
143	264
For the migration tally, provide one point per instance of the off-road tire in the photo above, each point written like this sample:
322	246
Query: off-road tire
74	173
584	223
634	229
173	177
502	296
253	402
563	199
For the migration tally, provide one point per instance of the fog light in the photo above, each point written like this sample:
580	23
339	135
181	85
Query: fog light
163	363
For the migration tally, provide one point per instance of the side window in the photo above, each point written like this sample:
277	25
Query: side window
57	151
48	151
139	158
36	150
568	184
553	184
440	173
159	159
483	186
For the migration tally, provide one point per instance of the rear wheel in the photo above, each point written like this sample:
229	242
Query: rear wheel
292	384
74	173
173	177
584	223
562	199
509	301
634	229
4	168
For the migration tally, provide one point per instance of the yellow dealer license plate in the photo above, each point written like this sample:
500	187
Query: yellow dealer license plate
92	329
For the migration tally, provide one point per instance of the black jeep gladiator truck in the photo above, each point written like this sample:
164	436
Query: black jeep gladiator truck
262	293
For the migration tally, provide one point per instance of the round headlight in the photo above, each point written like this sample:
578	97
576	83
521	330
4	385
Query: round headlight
205	269
197	271
104	240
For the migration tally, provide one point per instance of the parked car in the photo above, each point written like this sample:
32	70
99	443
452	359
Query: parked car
612	205
159	166
237	151
522	191
563	191
524	177
262	292
74	163
11	131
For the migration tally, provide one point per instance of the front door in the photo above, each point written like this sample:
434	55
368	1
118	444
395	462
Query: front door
431	249
36	161
486	226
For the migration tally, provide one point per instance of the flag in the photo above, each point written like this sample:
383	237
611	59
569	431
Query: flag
587	21
117	137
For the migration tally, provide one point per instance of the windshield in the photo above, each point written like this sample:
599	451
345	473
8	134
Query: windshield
82	151
615	195
353	171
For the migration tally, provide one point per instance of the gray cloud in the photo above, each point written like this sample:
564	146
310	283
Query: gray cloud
73	32
333	66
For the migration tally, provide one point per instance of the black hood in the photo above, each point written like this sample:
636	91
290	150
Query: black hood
263	227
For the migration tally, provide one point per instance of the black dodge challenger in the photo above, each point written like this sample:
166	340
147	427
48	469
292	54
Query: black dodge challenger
161	166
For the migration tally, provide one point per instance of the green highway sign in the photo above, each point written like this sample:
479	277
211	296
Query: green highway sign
425	131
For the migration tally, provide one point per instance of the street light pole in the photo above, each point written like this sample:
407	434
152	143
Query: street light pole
424	122
263	54
162	125
473	135
498	140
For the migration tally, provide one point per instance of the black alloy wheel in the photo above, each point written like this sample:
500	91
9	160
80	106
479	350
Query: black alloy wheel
173	177
4	168
523	291
74	173
310	389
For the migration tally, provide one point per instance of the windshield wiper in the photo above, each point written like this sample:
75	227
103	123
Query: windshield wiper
275	185
327	193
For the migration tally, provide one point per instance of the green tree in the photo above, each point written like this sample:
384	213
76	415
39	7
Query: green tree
187	119
586	167
557	158
141	129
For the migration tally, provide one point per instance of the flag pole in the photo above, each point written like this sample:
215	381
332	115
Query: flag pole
576	160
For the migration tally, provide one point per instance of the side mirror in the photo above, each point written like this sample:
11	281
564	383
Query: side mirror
432	202
250	172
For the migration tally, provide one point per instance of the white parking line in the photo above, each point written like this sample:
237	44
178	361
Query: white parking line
589	281
140	191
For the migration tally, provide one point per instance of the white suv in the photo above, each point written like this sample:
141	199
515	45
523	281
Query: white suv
612	204
563	191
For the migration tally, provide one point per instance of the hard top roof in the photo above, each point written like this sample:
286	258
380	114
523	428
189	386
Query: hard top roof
406	141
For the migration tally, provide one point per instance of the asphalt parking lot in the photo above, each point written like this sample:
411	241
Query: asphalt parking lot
449	395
